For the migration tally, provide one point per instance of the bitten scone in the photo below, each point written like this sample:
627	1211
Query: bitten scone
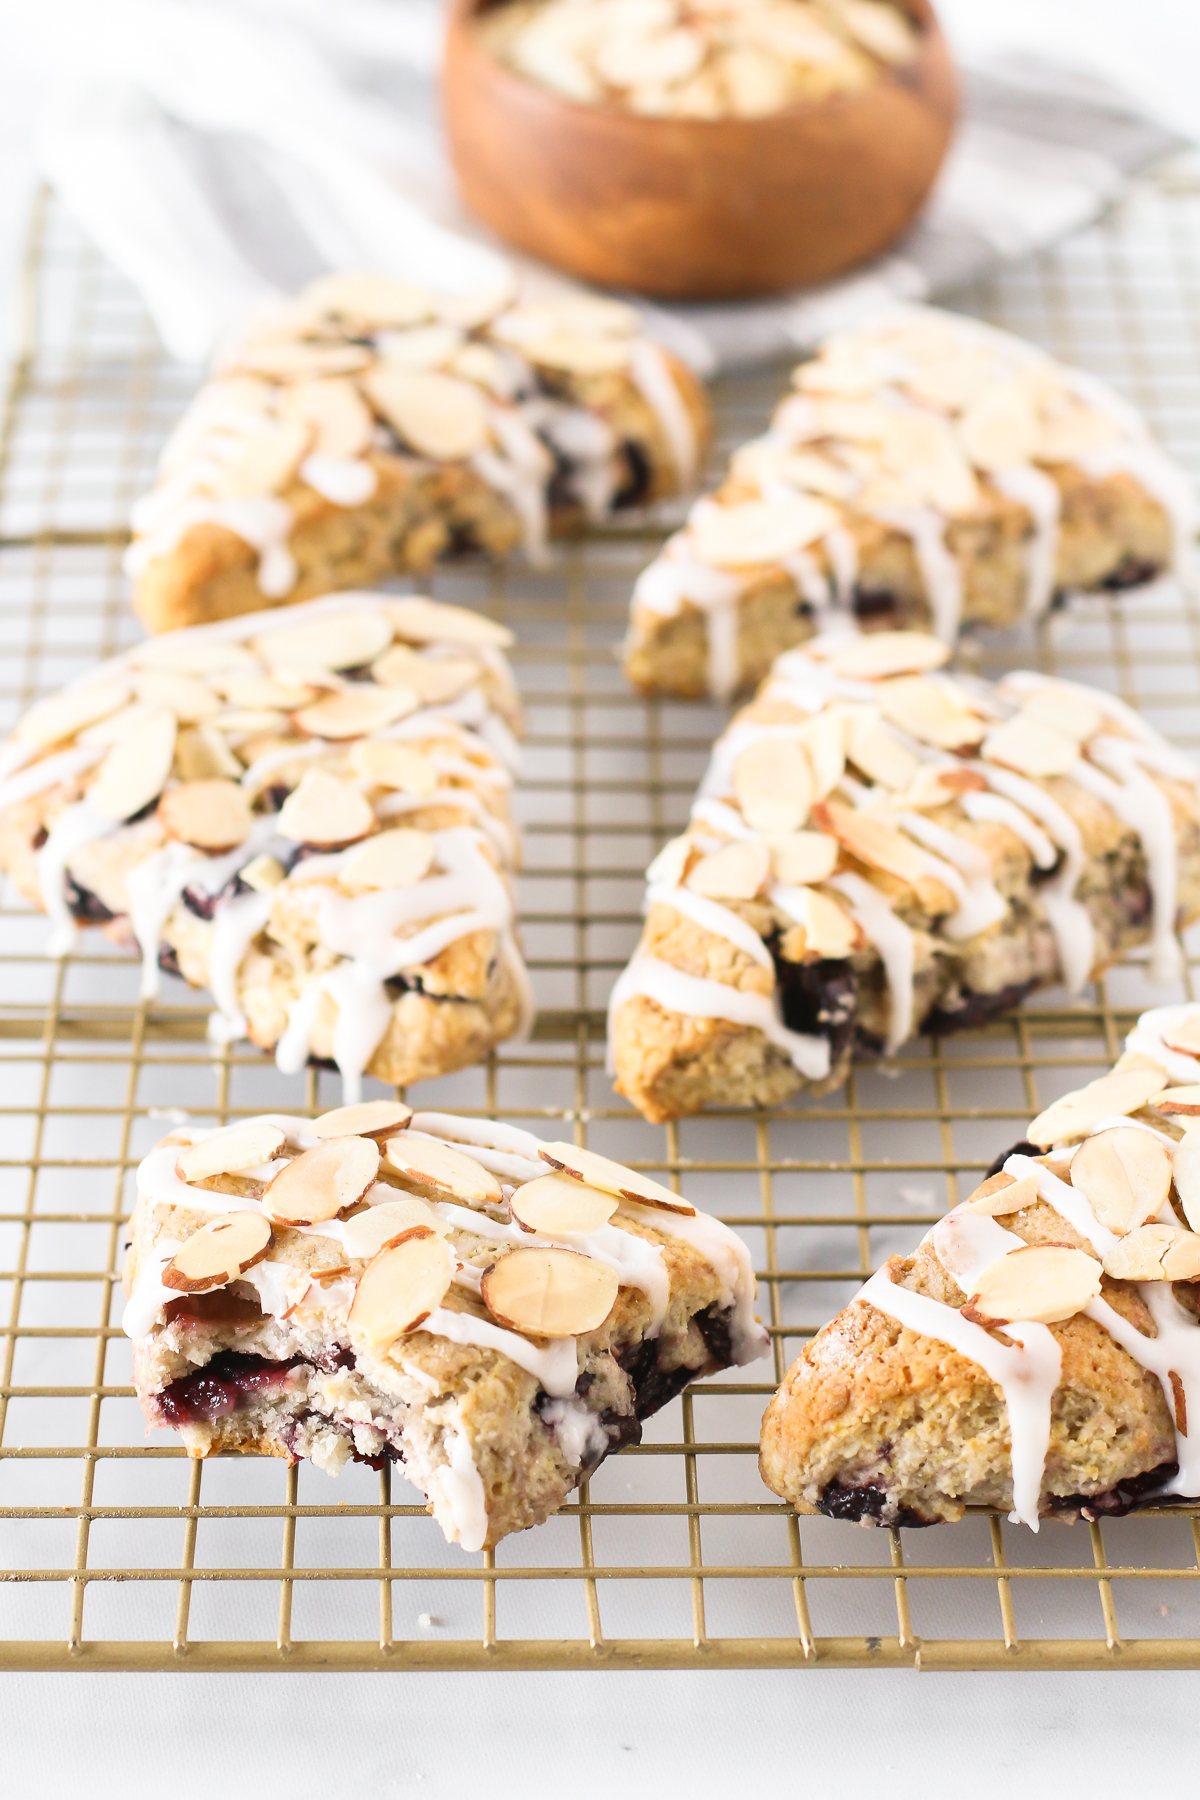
928	470
493	1312
368	426
880	848
1040	1351
308	815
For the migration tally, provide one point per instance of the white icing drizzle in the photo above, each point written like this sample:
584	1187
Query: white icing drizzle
344	480
556	1366
1176	1349
701	998
894	942
51	771
842	550
710	915
940	573
1146	1039
1069	1202
981	904
235	926
1141	805
653	379
265	523
1033	489
74	827
993	808
460	1486
578	1433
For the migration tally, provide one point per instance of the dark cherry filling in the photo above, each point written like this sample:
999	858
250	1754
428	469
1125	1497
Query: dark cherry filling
818	998
636	485
1024	1148
974	1009
226	1384
868	1500
85	906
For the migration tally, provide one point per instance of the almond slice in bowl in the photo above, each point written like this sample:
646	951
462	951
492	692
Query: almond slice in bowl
323	1182
399	1289
557	1206
219	1252
612	1177
449	1173
228	1152
549	1293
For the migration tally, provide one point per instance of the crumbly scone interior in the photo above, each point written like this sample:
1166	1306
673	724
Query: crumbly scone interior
927	469
307	814
880	846
493	1312
1040	1351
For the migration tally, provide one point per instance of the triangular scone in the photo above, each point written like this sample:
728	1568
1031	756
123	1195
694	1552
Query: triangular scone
493	1312
1040	1351
367	426
926	469
881	847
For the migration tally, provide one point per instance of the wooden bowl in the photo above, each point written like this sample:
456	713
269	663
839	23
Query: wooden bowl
696	208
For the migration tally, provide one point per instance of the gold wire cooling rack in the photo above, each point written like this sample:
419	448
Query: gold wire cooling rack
116	1552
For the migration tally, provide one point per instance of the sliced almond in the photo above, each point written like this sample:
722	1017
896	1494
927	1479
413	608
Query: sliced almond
436	415
325	812
435	680
399	1289
931	711
356	712
265	462
823	740
202	755
377	1228
323	1182
1002	1193
1074	1115
339	640
421	347
62	715
193	652
801	857
371	299
878	655
1031	748
334	412
449	1172
1064	709
393	859
219	1252
1181	1100
190	699
937	786
878	845
297	362
828	930
737	871
878	752
1185	1036
1155	1253
773	783
577	355
227	1152
752	532
211	815
135	771
612	1177
549	1293
368	1119
389	765
668	868
258	692
262	874
557	1206
424	621
1000	429
117	726
1124	1174
1041	1283
1185	1167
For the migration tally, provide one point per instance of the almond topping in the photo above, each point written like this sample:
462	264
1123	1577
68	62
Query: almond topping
340	640
557	1206
1184	1037
434	679
368	1119
399	1289
296	362
376	1228
773	783
436	415
356	712
1041	1283
827	929
874	843
930	710
335	411
735	872
323	1182
612	1177
389	765
394	859
1155	1253
1002	1193
549	1293
263	874
219	1252
878	752
325	812
424	621
210	815
1031	747
1074	1115
823	740
446	1170
1184	1100
801	857
189	699
1125	1175
226	1152
135	771
1065	710
62	715
371	299
265	461
757	531
668	867
1185	1167
880	654
257	692
202	755
1000	429
579	355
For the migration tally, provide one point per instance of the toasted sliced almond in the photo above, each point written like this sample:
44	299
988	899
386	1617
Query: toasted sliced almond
1074	1115
118	726
878	752
1003	1193
259	692
549	1293
1155	1253
1042	1283
357	711
435	679
191	652
335	412
577	355
297	362
1185	1036
323	1182
878	655
339	640
424	621
211	815
737	871
801	857
773	783
399	1289
368	1119
884	31
421	347
931	711
937	786
325	811
393	859
823	740
751	532
828	929
612	1177
878	845
1185	1168
1064	709
371	299
202	755
1000	429
557	1206
1124	1174
190	699
1031	747
263	874
219	1252
377	1228
447	1171
135	771
265	462
226	1152
1182	1100
62	715
389	765
436	415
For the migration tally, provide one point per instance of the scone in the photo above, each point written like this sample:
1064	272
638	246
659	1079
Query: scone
1040	1351
366	427
927	470
308	815
881	848
493	1312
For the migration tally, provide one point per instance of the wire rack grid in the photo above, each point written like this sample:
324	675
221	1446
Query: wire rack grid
116	1552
